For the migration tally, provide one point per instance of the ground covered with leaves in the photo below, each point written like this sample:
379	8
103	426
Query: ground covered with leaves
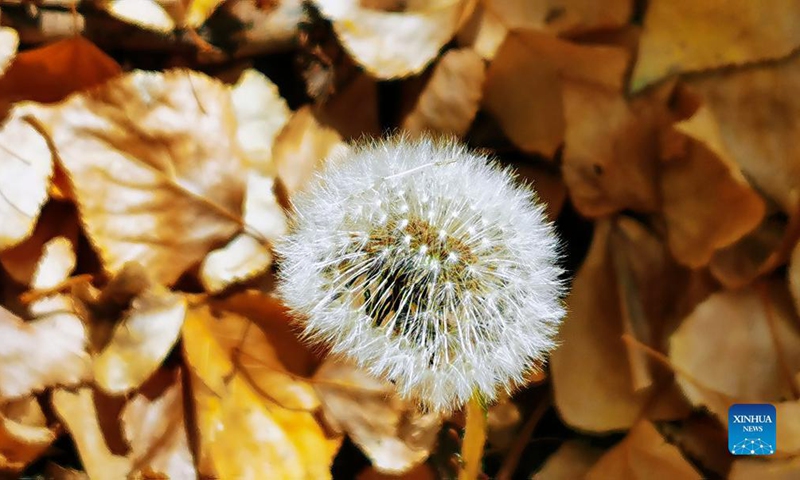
149	151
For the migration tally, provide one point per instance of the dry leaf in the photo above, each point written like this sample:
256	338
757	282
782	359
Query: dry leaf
759	122
549	186
642	454
523	85
353	110
248	254
712	34
302	147
610	156
140	342
27	165
155	167
199	11
745	363
154	428
9	41
778	469
149	14
393	433
24	435
244	426
50	73
708	203
572	460
704	439
81	412
260	113
395	44
452	96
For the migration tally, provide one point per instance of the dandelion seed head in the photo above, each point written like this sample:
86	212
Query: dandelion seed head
427	265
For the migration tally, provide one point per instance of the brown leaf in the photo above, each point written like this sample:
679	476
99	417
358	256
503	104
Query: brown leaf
395	44
391	432
303	146
755	358
353	110
572	460
759	122
244	425
154	428
523	85
155	167
712	34
452	96
708	203
642	454
81	413
140	342
27	166
779	469
610	155
24	435
50	73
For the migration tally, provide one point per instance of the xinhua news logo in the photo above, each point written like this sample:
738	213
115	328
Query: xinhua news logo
751	429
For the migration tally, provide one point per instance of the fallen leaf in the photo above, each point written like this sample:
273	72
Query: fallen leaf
549	186
199	11
353	110
762	469
393	433
9	41
707	202
572	460
450	100
24	435
154	428
759	122
26	163
712	34
50	73
704	439
395	44
260	114
155	167
248	254
610	154
302	147
149	14
745	363
523	85
80	412
251	417
140	342
642	454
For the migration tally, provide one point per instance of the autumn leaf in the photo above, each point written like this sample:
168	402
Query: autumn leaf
391	432
251	418
24	434
133	195
395	44
9	41
712	34
573	459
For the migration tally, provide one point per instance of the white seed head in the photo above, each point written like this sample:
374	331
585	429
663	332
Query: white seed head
426	265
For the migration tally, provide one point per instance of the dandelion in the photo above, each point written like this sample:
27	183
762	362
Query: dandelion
428	266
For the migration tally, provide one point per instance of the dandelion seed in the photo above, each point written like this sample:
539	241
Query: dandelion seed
453	292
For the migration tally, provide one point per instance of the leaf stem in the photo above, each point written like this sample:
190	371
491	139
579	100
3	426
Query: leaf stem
474	439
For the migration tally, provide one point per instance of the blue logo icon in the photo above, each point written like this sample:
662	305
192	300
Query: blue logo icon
751	429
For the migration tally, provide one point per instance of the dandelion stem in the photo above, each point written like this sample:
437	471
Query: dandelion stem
474	438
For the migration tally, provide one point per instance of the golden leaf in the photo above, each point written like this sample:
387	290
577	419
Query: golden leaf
452	96
252	417
643	454
712	34
140	342
24	435
155	166
391	432
26	163
395	44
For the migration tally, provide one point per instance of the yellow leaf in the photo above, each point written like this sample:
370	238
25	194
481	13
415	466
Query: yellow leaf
452	96
26	163
245	427
199	11
82	413
9	41
149	14
155	166
643	454
395	44
684	36
393	433
24	435
303	146
140	342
